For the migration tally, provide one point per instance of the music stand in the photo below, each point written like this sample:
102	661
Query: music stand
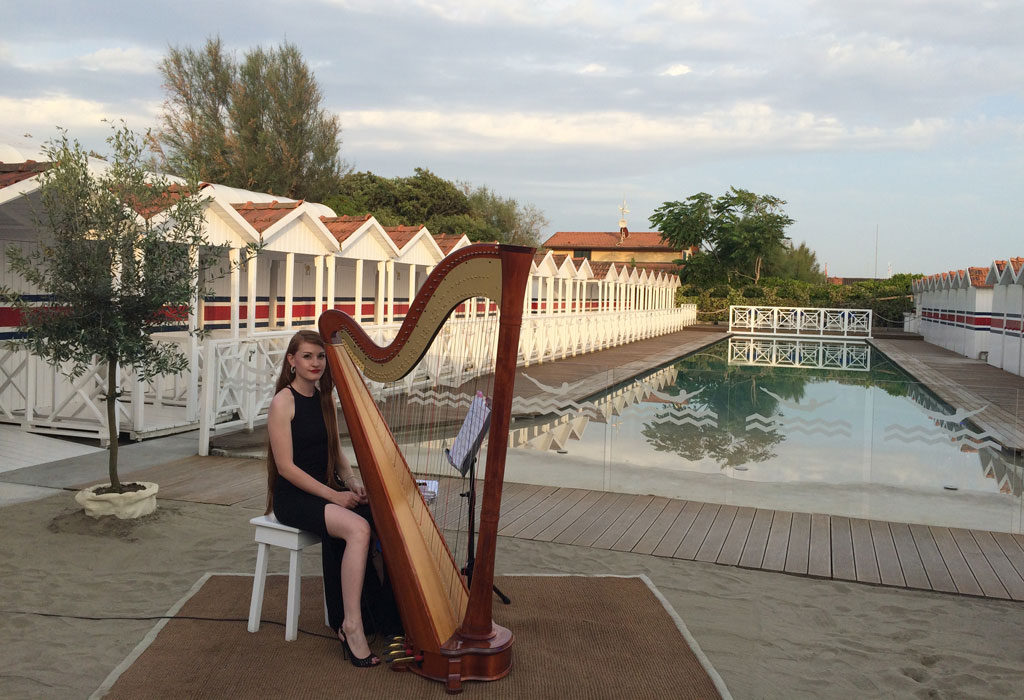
462	456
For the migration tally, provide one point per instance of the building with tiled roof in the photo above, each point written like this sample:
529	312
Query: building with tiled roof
449	242
287	261
172	194
645	250
263	215
974	312
401	235
11	173
341	227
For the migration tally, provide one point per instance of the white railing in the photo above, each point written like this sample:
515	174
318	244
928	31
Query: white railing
42	399
229	381
785	352
239	374
799	321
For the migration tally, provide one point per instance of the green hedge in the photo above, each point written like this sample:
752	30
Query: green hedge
887	299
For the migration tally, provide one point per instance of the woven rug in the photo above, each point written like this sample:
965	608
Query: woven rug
575	637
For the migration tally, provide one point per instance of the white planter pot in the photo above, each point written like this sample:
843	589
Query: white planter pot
125	506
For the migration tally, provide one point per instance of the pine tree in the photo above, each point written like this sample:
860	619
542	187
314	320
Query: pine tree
257	124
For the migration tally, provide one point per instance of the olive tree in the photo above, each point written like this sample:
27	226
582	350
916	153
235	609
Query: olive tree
119	258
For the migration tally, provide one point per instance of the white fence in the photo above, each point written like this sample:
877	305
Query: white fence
42	399
239	374
229	381
798	321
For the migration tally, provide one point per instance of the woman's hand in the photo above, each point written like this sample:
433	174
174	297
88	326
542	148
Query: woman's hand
346	499
359	490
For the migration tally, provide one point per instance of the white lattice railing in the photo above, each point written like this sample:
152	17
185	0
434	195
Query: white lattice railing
798	321
41	398
229	381
239	374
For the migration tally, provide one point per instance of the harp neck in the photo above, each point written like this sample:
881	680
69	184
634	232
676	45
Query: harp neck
483	270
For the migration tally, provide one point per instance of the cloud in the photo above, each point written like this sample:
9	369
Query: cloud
39	116
122	60
593	69
742	127
65	60
676	69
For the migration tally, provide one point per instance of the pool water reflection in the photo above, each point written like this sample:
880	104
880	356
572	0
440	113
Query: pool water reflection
832	427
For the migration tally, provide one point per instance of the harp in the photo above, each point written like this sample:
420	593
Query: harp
449	632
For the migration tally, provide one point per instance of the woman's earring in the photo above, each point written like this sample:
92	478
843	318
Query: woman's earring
293	369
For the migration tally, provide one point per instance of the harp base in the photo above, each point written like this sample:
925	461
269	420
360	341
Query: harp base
463	659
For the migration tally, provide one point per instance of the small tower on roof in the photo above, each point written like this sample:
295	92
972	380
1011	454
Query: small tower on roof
623	230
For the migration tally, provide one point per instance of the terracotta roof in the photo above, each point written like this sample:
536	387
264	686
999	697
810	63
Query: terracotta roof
978	275
171	195
11	173
402	234
341	227
600	269
539	256
446	241
609	240
558	258
1000	265
1017	263
263	215
667	268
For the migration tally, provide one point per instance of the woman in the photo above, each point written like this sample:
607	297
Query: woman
305	469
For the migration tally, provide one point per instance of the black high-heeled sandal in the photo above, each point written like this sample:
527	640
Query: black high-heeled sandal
365	662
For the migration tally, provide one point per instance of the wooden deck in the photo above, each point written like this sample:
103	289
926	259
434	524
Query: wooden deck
946	560
941	559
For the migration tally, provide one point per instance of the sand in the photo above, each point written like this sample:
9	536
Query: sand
768	635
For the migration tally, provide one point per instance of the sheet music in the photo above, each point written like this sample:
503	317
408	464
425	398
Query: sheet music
471	434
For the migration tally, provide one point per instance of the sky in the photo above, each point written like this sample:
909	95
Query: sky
893	129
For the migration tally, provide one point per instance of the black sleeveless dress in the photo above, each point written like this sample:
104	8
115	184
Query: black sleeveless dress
298	508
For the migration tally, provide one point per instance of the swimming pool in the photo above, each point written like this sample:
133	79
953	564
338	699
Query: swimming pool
808	426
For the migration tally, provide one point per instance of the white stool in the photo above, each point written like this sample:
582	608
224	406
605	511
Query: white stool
271	532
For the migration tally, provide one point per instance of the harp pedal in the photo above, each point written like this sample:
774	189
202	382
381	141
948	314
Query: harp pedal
398	652
401	658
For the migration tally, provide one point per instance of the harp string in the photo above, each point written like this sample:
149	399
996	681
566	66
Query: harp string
394	409
426	416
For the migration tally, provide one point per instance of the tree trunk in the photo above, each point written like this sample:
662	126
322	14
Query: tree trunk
115	483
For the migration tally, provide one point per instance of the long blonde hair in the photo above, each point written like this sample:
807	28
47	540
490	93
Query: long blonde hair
326	387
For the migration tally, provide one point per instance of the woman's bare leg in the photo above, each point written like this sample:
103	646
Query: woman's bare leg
354	529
